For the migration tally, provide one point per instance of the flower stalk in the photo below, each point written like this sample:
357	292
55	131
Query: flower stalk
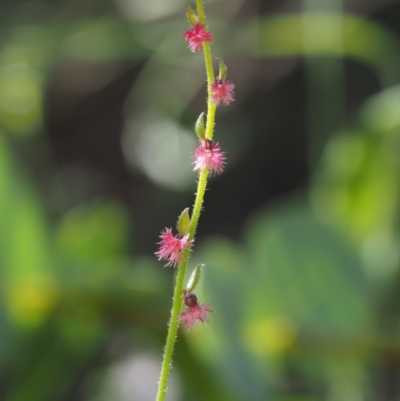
177	302
208	158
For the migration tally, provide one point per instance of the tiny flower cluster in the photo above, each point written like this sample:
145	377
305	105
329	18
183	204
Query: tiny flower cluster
208	155
222	92
196	36
221	89
171	247
194	311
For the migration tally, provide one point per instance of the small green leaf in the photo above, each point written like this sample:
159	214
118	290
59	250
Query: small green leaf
223	69
191	16
194	278
199	127
183	224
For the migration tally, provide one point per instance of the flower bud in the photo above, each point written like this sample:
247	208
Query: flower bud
199	127
183	224
190	300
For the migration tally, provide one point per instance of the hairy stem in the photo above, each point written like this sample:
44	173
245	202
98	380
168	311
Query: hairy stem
201	188
210	74
178	291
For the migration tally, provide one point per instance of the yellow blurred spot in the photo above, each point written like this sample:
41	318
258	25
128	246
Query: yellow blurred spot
29	301
274	335
97	231
381	113
327	34
20	98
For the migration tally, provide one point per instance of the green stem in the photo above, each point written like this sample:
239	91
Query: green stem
173	328
198	203
210	74
211	109
178	299
200	11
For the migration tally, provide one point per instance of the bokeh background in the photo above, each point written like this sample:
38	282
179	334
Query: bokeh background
300	235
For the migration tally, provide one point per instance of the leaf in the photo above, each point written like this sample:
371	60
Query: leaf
296	286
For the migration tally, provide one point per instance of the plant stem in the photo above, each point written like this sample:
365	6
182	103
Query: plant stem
198	203
211	109
210	74
178	291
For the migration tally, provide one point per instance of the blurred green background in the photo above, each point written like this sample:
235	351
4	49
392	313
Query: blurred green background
300	235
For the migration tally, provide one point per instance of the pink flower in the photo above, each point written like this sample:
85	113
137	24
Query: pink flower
209	155
222	92
196	36
194	311
171	247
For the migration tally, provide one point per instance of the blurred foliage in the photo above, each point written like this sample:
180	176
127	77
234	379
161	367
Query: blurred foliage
306	301
343	36
316	269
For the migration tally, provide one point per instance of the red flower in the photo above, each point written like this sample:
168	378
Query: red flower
194	311
171	247
222	92
196	36
209	155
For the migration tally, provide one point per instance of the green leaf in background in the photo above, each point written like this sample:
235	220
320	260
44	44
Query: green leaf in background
100	39
59	293
329	34
357	187
20	94
95	232
296	283
29	288
380	113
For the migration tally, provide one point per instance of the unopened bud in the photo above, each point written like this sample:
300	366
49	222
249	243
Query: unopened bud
190	300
